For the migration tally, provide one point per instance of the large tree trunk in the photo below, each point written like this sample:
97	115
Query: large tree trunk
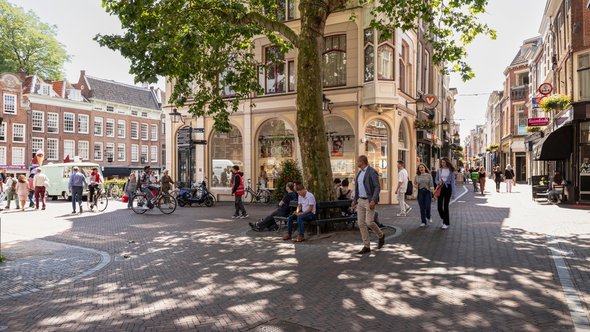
317	170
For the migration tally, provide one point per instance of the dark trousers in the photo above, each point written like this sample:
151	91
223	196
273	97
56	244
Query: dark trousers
269	221
239	204
76	197
91	189
424	202
443	203
300	222
40	194
498	185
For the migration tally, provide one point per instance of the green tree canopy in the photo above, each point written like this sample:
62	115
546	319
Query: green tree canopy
29	45
209	43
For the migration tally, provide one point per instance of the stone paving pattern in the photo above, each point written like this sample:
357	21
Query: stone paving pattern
200	270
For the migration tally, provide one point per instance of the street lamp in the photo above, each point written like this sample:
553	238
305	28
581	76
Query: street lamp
176	117
419	103
327	104
445	125
456	138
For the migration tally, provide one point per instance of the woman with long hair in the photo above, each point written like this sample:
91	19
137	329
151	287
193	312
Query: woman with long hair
482	179
425	185
509	178
445	177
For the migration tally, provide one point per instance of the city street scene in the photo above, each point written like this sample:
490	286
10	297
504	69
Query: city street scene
294	165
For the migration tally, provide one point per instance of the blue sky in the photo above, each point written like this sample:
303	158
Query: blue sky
78	21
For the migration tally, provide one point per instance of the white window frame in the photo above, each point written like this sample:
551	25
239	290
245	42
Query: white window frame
154	153
3	128
136	136
124	123
24	157
106	127
49	157
24	132
4	108
42	123
110	108
37	148
134	156
100	151
81	148
73	146
578	82
3	155
119	146
147	153
154	132
147	131
56	115
81	116
111	147
97	120
73	122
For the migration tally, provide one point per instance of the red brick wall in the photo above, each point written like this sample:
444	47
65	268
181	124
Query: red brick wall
580	25
9	119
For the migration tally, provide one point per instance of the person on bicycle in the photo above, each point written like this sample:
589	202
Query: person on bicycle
146	183
95	181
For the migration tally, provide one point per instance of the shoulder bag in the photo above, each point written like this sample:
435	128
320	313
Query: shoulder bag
437	191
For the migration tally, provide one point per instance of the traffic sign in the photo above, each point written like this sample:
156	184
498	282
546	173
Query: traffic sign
199	130
200	141
545	89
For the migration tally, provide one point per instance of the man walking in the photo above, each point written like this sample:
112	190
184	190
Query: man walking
238	191
76	185
402	186
366	196
41	182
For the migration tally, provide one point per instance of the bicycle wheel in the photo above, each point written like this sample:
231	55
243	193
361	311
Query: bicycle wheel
102	201
209	201
139	204
248	197
167	204
265	196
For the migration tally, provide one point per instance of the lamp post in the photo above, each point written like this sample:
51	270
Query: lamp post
420	103
176	117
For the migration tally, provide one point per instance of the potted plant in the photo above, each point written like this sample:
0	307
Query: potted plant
424	124
533	129
555	102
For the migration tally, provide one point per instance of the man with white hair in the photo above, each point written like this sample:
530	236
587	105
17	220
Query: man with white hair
40	181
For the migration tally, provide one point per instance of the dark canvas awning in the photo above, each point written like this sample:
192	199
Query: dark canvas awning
555	146
122	171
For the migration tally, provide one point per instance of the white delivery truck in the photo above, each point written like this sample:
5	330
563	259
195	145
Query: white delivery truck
59	175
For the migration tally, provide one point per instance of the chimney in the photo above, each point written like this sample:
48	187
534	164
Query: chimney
83	72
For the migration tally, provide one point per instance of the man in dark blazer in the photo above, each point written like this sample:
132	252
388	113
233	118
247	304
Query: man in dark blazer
366	197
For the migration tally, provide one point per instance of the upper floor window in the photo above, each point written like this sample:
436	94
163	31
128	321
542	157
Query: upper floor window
522	79
110	128
144	114
52	123
385	59
584	75
285	10
335	61
134	130
98	126
18	133
110	108
369	53
134	113
69	122
121	124
38	121
9	103
2	155
154	132
272	75
3	132
144	132
84	150
404	68
83	120
52	148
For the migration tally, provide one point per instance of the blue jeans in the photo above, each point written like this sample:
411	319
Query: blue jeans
424	201
76	197
300	222
31	195
130	195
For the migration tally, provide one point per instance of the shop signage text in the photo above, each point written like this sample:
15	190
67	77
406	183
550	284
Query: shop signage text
534	122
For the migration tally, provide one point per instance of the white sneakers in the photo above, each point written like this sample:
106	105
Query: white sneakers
444	226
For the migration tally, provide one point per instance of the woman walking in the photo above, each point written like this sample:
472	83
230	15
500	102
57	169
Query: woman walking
130	189
22	190
509	177
498	178
425	185
445	178
482	179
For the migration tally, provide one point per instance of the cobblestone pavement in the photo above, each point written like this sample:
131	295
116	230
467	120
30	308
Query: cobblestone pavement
496	269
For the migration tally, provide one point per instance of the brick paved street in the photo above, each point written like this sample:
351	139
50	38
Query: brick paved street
197	269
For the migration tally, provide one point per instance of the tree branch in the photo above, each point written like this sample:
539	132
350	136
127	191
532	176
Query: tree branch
273	26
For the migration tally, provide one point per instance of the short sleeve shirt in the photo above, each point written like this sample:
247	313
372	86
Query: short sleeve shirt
306	201
403	178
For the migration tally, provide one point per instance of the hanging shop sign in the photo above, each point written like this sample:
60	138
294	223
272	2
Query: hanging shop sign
536	122
430	101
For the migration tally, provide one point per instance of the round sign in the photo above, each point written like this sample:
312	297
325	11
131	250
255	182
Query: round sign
545	89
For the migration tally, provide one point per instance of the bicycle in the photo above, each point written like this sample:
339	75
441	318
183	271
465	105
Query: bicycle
261	195
100	201
165	202
114	191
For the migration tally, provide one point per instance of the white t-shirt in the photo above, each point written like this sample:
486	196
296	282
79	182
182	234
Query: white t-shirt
306	201
402	177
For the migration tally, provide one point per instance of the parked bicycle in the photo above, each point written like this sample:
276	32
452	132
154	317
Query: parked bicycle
114	191
261	195
164	201
100	201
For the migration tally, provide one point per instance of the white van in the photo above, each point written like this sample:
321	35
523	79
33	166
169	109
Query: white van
220	166
59	176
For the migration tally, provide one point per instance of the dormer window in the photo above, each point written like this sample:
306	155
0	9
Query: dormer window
45	89
74	94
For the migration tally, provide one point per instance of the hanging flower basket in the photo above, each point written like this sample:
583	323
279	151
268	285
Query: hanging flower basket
534	129
424	124
555	102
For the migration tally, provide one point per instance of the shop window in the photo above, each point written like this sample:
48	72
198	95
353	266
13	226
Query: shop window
276	141
227	150
334	67
377	149
341	143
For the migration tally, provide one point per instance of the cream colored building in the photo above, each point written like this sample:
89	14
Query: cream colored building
371	85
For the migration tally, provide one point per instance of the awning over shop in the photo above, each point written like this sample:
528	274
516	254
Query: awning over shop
555	146
122	171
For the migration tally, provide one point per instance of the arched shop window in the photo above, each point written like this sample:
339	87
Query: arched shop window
377	149
276	141
403	144
341	143
227	149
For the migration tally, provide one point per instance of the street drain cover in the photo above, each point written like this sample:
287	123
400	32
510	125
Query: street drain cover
282	326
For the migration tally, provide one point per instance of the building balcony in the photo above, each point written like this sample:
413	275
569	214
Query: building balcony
519	92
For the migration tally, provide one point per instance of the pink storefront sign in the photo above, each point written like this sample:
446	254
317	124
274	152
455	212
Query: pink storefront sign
538	122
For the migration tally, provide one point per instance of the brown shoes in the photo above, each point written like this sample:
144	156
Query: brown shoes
381	242
287	237
300	239
364	251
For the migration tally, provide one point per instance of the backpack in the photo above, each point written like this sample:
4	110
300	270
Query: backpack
409	189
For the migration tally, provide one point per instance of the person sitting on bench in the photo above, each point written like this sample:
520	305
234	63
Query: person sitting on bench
306	210
283	210
557	188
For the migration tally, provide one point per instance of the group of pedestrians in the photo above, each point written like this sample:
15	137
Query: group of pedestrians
22	188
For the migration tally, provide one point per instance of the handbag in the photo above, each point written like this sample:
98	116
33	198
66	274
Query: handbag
125	198
437	191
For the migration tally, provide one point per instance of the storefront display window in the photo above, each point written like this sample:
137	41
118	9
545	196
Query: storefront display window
226	151
402	147
275	144
377	149
341	143
585	161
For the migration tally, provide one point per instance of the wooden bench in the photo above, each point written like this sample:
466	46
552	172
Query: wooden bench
327	213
